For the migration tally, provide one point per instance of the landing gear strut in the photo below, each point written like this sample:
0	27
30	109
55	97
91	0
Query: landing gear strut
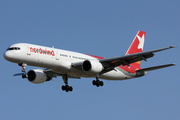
66	87
23	65
97	82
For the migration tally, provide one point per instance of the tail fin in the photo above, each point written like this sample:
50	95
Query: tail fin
137	45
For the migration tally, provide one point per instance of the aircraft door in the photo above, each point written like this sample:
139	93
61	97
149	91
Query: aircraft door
57	56
28	51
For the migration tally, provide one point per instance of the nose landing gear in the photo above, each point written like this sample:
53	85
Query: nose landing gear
23	65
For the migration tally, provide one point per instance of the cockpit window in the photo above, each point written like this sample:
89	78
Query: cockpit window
14	48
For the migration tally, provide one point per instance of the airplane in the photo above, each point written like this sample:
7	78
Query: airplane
68	64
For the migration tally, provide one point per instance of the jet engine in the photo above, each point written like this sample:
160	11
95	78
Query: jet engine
36	76
140	73
92	66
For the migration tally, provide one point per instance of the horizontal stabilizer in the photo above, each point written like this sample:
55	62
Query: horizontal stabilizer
156	67
18	74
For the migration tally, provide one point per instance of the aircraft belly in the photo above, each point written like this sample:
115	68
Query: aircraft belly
80	73
117	75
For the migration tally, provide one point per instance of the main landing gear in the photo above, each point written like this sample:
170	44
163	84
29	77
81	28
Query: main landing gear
97	82
66	87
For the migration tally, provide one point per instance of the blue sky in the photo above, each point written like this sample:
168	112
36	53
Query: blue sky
104	28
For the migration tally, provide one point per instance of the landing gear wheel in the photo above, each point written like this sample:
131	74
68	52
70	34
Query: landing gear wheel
70	89
67	88
24	76
94	82
101	83
97	83
63	87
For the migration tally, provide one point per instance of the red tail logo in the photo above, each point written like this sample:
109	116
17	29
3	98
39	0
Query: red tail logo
137	46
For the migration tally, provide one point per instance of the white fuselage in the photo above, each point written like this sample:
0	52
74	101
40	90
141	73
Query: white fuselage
58	60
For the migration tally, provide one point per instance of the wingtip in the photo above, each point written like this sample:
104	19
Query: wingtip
173	64
172	46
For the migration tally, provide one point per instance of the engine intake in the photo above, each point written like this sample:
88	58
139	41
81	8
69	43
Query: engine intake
36	76
92	66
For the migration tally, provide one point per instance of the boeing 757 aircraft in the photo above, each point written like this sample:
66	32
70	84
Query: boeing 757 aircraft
68	64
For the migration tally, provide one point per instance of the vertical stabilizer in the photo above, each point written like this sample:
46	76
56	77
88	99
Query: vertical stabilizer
137	45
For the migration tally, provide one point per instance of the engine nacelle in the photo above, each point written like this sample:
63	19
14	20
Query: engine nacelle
140	73
92	66
36	76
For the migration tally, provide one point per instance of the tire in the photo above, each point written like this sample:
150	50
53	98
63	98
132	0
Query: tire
101	83
70	89
94	82
23	76
97	85
63	87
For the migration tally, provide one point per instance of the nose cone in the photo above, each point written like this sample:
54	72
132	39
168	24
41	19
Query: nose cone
8	55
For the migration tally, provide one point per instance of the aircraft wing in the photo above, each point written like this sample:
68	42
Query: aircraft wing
50	74
131	58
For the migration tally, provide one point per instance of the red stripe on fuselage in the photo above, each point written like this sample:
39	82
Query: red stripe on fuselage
96	56
131	69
